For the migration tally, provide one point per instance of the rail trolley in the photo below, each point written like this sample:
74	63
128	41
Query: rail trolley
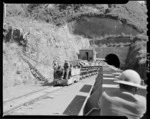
80	70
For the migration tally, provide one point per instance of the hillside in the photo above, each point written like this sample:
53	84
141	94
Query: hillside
132	13
128	19
57	31
42	48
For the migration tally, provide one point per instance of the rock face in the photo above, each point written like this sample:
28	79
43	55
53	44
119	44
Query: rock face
15	70
43	46
136	58
129	19
133	14
100	26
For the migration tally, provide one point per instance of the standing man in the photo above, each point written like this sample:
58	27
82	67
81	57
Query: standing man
124	101
55	69
8	37
66	70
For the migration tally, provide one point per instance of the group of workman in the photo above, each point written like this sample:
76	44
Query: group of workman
63	72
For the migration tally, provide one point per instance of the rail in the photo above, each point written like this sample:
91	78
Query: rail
80	74
10	105
15	103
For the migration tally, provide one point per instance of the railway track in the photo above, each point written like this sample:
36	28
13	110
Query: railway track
23	95
52	98
17	102
13	104
25	101
10	106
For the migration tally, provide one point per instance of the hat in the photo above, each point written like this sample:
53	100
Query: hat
131	78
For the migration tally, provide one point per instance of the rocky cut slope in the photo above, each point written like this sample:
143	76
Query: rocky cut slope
137	56
44	44
128	19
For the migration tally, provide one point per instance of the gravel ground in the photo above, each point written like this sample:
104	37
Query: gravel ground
54	103
13	92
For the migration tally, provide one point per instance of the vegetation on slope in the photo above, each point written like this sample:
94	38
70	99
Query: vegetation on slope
43	46
130	18
131	13
136	58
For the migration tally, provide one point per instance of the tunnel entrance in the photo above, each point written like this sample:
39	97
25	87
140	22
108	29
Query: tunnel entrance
113	59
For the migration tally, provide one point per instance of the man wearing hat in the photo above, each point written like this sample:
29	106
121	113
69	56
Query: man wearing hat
66	68
124	101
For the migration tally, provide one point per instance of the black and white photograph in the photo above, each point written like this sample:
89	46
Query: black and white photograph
75	59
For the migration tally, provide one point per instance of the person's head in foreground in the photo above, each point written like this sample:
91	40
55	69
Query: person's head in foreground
124	101
130	81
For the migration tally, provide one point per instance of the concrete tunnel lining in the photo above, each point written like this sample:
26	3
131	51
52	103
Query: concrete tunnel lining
113	59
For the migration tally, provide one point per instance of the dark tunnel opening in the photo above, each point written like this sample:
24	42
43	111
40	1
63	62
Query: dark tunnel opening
112	59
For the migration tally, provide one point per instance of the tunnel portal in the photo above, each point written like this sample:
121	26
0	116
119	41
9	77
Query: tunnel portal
113	59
